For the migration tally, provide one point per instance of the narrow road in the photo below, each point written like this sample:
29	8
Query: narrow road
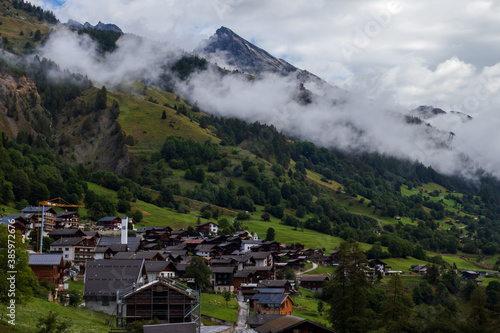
315	265
241	323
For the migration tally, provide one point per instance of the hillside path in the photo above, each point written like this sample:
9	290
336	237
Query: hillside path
241	323
315	265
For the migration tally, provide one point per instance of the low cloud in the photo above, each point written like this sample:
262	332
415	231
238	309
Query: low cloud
366	117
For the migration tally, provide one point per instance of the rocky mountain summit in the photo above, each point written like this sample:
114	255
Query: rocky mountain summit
428	112
247	57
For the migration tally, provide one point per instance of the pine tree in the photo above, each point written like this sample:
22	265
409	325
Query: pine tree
397	305
164	115
349	289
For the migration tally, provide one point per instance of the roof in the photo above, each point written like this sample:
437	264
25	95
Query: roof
65	232
202	224
313	278
228	270
157	266
61	214
270	298
105	277
45	259
6	219
69	241
271	290
273	283
286	323
109	218
205	247
260	255
178	328
194	241
37	209
261	319
132	242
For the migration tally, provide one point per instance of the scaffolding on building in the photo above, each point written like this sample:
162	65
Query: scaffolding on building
165	299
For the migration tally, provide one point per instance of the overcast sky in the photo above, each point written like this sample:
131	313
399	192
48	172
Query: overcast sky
442	53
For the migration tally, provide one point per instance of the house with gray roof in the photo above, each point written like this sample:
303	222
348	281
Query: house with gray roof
105	279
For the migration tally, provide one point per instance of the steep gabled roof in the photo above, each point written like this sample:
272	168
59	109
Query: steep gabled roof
68	241
287	323
105	277
46	259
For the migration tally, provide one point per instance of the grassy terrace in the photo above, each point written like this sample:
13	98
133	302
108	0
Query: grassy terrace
210	307
83	320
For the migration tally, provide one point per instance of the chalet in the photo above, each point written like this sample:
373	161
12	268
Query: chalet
66	233
313	282
177	237
469	275
35	214
222	278
419	269
160	269
108	252
242	278
263	258
110	222
267	246
48	266
247	244
222	262
261	272
67	220
377	265
20	224
317	256
242	234
84	250
280	304
66	246
192	243
208	250
276	284
216	239
291	324
167	301
229	247
207	228
105	278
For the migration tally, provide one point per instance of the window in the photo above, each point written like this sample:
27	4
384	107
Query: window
105	302
66	249
66	256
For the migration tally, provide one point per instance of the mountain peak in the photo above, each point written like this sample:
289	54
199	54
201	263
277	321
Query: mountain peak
239	53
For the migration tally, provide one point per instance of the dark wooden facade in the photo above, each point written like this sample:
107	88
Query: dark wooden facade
159	300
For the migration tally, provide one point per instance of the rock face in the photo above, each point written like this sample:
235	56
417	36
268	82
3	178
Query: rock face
246	57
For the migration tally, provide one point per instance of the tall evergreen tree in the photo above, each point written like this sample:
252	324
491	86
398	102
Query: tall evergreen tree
349	289
397	306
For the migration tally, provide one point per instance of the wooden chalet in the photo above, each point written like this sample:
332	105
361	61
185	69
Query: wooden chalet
207	228
313	282
67	220
66	233
160	269
110	222
275	304
34	216
48	266
165	300
20	224
223	278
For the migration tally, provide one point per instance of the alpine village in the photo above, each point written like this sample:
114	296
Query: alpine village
131	208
